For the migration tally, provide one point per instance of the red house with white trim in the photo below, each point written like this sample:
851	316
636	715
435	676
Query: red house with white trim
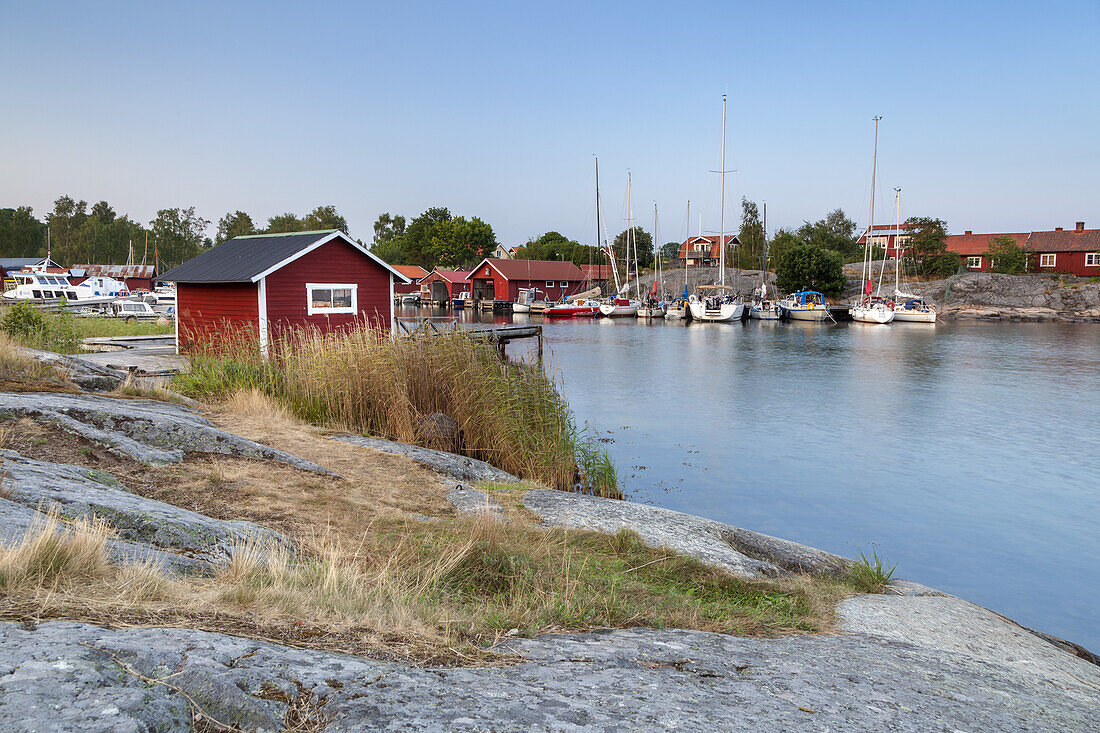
704	250
1073	252
501	280
415	273
267	282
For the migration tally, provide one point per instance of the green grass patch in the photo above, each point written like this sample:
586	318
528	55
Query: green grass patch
870	574
64	332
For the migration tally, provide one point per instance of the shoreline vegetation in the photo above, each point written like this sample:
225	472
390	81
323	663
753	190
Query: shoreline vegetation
362	380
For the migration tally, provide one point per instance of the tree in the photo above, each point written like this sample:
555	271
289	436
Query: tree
179	234
783	241
670	250
644	242
237	224
1005	256
64	221
387	228
324	217
103	213
21	234
556	246
438	238
283	224
927	247
811	267
836	232
750	253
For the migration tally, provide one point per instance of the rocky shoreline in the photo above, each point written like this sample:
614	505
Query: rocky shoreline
914	659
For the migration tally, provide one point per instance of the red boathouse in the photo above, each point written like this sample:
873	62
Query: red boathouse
415	273
442	286
270	281
495	279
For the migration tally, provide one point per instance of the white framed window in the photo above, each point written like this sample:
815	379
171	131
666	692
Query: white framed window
974	263
1092	259
1047	260
564	284
326	298
903	239
549	283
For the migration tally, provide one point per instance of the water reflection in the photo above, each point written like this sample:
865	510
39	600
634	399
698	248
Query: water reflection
968	452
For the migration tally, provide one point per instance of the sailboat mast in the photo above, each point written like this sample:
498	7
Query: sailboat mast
722	204
631	239
606	249
897	239
656	254
687	245
871	226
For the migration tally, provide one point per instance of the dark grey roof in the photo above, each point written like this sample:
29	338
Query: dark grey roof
18	263
242	258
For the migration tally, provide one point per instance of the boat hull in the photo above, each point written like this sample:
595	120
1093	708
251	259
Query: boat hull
877	314
764	314
908	316
570	311
724	312
806	314
612	310
521	308
657	312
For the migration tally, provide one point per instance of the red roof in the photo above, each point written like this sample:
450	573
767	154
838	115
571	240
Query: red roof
453	276
118	271
1085	240
413	272
531	269
712	240
969	244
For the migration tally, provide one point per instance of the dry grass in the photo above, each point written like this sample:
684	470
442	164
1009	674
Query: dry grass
363	381
20	372
131	387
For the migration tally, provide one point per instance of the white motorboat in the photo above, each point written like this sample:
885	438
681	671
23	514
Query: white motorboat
41	286
410	298
525	297
651	311
805	305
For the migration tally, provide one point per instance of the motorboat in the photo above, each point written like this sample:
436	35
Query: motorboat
410	298
40	286
677	310
576	308
460	300
805	305
718	303
527	296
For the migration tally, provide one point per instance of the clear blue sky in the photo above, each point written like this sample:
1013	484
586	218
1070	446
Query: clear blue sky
991	110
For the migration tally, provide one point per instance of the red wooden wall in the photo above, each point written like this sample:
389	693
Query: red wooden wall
207	310
334	262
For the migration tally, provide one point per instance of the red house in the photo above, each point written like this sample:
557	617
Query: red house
1075	252
501	280
704	250
136	277
971	247
268	282
415	273
441	286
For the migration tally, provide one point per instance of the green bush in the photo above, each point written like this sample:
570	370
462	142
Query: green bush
810	267
30	327
1006	256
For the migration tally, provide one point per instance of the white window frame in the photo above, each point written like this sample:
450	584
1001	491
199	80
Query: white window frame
549	283
310	287
563	284
974	263
1092	259
1052	262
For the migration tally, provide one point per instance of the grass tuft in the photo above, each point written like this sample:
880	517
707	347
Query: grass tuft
870	574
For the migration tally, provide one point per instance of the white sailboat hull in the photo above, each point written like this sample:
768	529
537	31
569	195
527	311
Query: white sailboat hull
873	314
770	313
521	308
915	316
614	311
807	314
658	312
724	312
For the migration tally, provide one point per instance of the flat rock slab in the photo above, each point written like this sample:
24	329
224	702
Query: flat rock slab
149	431
147	529
740	551
70	676
458	467
471	502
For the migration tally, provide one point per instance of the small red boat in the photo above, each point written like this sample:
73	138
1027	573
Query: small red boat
576	309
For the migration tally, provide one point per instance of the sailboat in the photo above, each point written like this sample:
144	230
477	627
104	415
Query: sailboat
718	302
763	308
678	309
653	306
871	309
908	307
619	304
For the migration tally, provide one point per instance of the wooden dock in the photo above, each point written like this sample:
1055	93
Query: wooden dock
499	336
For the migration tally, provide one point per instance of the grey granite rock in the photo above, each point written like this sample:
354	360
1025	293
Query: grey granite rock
87	375
471	502
450	464
745	553
146	430
145	527
70	676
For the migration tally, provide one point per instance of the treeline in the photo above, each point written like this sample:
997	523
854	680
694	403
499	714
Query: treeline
436	238
79	234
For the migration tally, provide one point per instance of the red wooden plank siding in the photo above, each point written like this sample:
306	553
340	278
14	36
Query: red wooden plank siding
207	309
334	262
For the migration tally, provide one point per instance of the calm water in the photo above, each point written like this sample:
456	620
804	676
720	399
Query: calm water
968	453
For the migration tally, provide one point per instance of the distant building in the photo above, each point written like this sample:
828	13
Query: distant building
136	277
15	264
415	273
441	286
704	250
270	282
887	236
504	252
1074	252
501	280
